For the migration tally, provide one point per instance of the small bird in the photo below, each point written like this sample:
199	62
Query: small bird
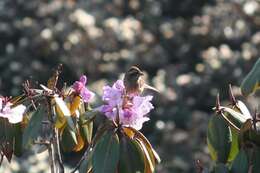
134	81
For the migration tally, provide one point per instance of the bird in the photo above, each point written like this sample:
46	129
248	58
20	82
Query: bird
134	81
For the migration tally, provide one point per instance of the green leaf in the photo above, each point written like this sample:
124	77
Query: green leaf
240	164
251	82
137	134
106	154
68	139
256	160
219	139
86	126
221	168
85	166
34	127
130	150
234	145
6	138
18	140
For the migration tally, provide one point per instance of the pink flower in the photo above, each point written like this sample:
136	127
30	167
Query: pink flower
14	115
80	89
132	110
114	95
135	115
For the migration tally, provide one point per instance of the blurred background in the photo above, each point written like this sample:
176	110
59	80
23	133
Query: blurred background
190	50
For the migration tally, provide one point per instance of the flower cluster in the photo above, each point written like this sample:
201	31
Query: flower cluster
14	115
131	110
80	89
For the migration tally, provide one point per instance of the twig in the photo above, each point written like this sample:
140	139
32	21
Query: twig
51	158
56	144
199	166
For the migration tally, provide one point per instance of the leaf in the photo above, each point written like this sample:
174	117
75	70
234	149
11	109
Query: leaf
221	168
75	104
80	142
219	138
234	145
251	82
235	116
249	134
130	150
129	132
86	125
148	158
256	160
34	127
240	164
64	111
6	138
106	153
152	152
243	109
68	139
86	166
18	140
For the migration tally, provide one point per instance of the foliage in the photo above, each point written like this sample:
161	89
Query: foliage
233	133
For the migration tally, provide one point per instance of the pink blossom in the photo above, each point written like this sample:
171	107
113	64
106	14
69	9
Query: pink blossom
14	115
114	95
135	115
132	110
81	89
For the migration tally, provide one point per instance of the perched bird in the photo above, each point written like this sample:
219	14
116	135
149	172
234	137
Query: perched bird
134	81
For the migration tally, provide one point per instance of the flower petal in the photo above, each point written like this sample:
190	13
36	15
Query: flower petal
83	80
16	114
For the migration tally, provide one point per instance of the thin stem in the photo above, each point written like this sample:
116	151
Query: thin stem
51	148
51	159
56	144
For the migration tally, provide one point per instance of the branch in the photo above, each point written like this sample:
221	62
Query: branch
51	158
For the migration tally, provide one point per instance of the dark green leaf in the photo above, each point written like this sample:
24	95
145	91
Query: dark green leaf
219	139
106	153
18	140
86	164
251	82
130	150
240	164
221	168
68	139
6	138
256	160
34	127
